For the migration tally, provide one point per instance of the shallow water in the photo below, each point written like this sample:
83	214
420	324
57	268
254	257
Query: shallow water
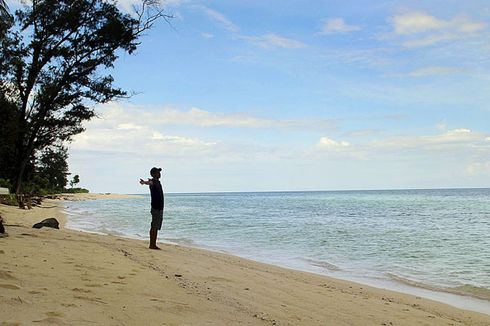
436	239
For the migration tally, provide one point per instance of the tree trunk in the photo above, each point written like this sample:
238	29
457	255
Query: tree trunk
20	175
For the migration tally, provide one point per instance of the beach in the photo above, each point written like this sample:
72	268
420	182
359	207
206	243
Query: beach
67	277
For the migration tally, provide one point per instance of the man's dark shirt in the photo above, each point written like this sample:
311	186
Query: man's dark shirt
156	195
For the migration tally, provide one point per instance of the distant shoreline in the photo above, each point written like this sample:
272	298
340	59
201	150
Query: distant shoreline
94	196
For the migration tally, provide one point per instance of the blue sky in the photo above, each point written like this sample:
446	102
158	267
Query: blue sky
299	95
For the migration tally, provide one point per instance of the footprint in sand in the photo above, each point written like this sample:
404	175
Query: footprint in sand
9	286
34	292
117	282
6	275
54	314
81	290
29	235
51	321
98	300
94	285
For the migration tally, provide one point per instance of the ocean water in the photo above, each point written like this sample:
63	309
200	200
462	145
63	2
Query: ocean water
431	239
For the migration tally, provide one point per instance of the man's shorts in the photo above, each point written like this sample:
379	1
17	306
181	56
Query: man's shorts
156	218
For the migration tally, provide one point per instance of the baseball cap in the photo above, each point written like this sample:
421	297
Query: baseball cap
154	169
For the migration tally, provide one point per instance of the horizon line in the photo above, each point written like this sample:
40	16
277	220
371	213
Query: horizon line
299	191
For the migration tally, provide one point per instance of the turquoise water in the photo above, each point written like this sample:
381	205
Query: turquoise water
436	239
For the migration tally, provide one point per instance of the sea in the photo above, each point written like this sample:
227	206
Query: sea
430	243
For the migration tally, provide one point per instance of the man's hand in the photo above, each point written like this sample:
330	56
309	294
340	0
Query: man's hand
143	182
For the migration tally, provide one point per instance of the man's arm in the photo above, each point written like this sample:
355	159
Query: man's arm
148	183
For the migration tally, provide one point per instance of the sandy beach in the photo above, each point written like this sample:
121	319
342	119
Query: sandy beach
66	277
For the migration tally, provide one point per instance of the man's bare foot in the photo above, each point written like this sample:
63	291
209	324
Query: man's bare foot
155	247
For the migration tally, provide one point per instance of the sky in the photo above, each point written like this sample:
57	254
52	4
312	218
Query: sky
298	95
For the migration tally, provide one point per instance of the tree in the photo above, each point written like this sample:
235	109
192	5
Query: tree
52	168
5	17
4	9
54	68
76	180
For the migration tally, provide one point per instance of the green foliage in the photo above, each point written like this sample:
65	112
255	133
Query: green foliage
5	183
76	180
10	200
76	191
52	168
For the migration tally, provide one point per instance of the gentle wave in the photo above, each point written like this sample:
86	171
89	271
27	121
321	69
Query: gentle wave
323	264
474	291
466	290
181	241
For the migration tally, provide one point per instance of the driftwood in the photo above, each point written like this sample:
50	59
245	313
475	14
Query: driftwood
28	201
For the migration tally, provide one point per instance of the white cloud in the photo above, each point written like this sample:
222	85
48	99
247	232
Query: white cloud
337	25
422	29
416	22
129	126
478	168
267	41
376	57
220	18
329	143
435	70
128	5
430	40
442	126
466	25
107	137
130	117
180	140
143	131
451	139
336	149
455	141
207	35
271	40
461	144
363	133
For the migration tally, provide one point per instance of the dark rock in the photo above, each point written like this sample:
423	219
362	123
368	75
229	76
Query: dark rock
2	229
49	222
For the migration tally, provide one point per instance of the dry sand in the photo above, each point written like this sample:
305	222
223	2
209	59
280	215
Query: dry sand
65	277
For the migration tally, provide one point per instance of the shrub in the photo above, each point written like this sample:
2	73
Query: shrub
10	200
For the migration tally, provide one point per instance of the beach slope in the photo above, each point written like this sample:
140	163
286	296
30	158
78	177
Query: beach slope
64	277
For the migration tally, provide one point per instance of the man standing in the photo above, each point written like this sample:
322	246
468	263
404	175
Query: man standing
157	203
